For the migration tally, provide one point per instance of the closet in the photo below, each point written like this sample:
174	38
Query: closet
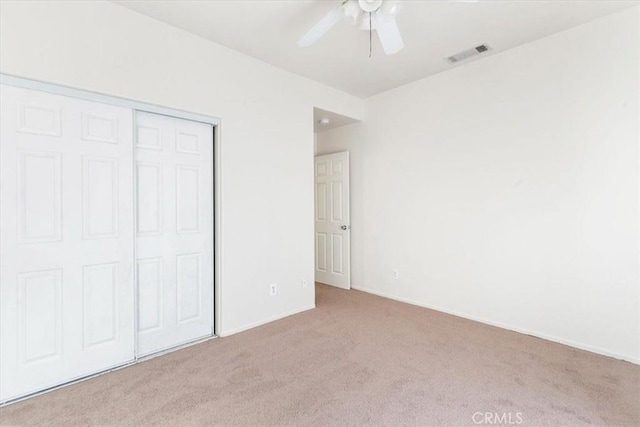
106	236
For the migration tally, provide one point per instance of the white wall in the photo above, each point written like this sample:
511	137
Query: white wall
507	190
266	131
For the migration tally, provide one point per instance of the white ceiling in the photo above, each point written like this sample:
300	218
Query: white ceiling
432	29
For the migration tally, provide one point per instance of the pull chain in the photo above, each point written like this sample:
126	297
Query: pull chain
370	35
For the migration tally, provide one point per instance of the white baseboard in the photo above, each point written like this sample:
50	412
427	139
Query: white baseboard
592	349
265	321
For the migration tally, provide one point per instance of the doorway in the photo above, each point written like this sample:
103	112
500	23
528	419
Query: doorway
332	215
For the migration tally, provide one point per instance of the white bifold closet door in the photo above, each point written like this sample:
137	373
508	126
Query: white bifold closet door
66	239
174	236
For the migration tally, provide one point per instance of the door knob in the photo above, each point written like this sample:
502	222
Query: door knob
345	227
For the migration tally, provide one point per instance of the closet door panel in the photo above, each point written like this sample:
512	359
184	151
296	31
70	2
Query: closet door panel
174	231
66	242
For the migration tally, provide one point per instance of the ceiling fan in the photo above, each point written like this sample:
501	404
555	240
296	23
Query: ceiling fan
378	15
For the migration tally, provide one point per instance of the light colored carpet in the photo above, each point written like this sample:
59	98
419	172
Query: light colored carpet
356	359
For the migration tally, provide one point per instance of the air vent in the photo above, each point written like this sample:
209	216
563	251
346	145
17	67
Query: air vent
466	54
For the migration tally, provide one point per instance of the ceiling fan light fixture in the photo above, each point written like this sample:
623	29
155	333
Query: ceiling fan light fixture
366	15
387	8
370	5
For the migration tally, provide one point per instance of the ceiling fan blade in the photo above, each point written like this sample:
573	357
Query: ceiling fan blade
389	34
324	25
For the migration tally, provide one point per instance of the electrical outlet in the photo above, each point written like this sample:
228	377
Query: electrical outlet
395	274
273	289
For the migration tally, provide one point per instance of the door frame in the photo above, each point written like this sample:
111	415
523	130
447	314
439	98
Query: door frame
135	106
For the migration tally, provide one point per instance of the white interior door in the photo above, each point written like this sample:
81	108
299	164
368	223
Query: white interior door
174	248
332	230
66	242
